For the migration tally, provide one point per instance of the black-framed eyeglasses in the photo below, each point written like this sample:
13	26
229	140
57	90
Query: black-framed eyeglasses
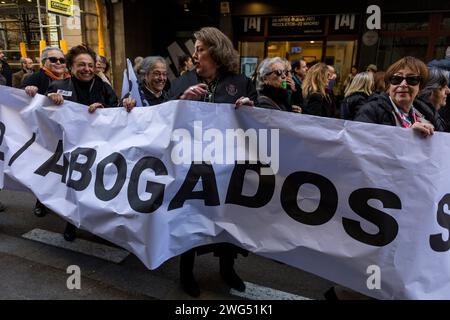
55	60
279	73
411	80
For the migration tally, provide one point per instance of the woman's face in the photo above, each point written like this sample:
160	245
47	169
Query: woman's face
439	97
189	64
55	62
276	76
204	64
100	66
83	67
156	79
403	91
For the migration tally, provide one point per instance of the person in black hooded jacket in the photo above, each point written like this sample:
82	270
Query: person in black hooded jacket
356	95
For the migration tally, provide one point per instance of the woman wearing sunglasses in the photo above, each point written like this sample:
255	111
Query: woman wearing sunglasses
53	68
397	107
271	84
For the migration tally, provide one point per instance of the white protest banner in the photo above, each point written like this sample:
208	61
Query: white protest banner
363	205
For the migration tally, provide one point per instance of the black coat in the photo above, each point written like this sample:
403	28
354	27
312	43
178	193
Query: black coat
6	72
381	111
351	104
100	92
39	80
149	99
427	109
317	105
273	98
229	87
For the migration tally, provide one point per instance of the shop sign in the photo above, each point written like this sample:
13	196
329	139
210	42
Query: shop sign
250	26
344	24
296	25
60	7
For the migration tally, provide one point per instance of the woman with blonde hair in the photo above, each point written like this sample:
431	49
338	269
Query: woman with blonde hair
356	94
317	102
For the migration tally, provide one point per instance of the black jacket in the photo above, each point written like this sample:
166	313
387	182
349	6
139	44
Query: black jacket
428	110
351	104
6	72
229	87
317	105
39	80
99	91
149	99
273	98
380	111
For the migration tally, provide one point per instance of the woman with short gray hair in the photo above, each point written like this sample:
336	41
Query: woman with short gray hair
152	77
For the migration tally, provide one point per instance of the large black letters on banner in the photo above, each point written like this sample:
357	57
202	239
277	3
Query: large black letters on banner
437	242
121	164
83	168
156	189
22	150
388	227
328	198
51	165
209	193
2	134
264	193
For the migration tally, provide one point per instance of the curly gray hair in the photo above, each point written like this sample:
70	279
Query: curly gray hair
46	50
148	64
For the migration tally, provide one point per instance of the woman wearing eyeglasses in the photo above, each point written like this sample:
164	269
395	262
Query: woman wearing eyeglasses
314	86
271	84
215	78
53	68
397	107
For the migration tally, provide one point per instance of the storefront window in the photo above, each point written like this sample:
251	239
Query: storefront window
394	48
251	53
441	45
341	55
405	22
311	51
445	24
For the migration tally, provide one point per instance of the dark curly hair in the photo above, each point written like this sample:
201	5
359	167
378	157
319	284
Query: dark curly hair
76	51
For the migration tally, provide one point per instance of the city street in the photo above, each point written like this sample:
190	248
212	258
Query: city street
33	270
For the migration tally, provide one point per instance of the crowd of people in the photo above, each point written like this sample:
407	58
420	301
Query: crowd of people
409	94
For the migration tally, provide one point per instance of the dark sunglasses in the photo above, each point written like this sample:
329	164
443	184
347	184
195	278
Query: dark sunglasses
55	60
279	73
411	80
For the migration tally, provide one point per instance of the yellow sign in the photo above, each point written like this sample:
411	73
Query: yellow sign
61	7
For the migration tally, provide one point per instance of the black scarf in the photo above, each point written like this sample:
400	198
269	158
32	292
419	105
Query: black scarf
279	95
